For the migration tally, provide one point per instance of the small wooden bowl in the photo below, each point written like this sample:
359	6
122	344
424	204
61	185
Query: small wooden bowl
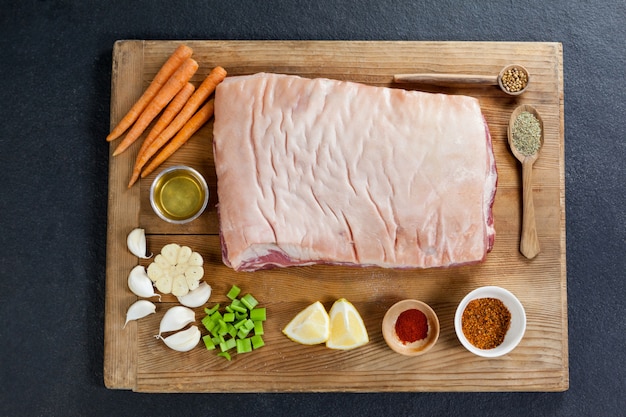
418	347
505	89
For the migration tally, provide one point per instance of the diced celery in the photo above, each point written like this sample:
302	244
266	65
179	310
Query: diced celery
240	308
243	332
249	301
258	314
258	328
208	342
249	325
234	292
208	323
228	344
212	310
244	345
223	327
257	341
230	329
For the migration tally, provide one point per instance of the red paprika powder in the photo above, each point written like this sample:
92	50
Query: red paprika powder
411	326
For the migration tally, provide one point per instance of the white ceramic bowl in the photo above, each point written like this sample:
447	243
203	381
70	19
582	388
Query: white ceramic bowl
516	330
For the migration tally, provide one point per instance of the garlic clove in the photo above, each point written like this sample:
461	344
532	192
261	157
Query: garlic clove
138	310
164	284
179	286
155	271
183	255
183	341
140	284
195	259
176	318
194	273
170	253
197	297
136	242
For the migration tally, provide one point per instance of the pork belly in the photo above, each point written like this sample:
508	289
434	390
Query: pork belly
324	171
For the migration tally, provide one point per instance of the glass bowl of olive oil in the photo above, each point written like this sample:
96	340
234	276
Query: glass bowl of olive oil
179	194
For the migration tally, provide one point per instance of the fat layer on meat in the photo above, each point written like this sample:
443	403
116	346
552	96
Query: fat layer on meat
325	171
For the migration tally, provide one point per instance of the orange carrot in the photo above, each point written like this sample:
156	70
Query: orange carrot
196	122
168	115
176	82
205	89
173	62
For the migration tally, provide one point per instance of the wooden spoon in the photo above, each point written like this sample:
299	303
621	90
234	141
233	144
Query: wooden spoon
445	79
529	244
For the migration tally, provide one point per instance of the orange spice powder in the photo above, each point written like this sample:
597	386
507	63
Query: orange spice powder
485	322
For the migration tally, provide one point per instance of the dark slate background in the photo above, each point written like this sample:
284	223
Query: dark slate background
55	75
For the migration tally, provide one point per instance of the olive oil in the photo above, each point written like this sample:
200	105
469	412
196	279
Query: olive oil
179	194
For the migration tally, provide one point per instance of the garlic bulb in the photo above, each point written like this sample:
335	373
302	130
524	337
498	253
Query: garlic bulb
175	319
177	270
183	341
197	297
136	242
140	284
138	310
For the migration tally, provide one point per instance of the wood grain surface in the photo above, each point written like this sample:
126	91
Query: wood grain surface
135	360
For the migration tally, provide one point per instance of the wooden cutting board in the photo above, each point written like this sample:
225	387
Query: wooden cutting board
135	360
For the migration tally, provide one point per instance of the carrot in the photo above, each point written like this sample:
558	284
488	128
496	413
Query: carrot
196	122
168	115
203	92
173	62
176	82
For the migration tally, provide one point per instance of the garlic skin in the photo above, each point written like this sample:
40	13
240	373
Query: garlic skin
138	310
175	319
140	283
183	341
197	297
136	242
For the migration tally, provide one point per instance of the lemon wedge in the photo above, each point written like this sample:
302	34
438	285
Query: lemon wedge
347	330
311	326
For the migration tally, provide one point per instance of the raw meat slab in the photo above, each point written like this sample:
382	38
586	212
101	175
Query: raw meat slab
325	171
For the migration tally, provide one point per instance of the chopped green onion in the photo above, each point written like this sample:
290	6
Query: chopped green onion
257	341
234	292
258	314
